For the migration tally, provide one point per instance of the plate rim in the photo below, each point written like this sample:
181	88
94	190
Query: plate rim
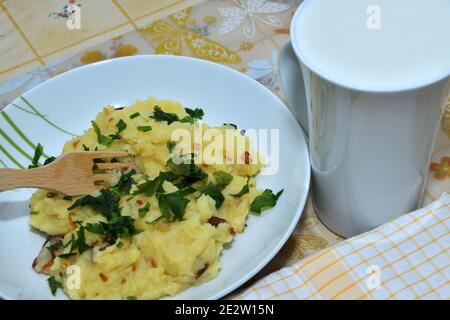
280	105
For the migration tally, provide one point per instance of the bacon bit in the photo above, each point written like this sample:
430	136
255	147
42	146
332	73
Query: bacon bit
110	119
123	281
33	265
95	243
71	223
205	165
153	263
103	277
48	264
201	271
246	157
76	143
232	231
133	268
215	221
139	202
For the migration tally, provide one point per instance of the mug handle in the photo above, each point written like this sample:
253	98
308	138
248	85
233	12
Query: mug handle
291	79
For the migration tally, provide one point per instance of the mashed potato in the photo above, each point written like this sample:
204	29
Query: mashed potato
140	250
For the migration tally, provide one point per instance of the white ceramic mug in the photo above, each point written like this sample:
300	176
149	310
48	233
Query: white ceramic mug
370	150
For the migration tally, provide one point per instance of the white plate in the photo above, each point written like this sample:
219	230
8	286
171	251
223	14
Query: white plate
72	99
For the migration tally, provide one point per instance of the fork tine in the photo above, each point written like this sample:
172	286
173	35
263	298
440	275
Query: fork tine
108	154
113	165
103	176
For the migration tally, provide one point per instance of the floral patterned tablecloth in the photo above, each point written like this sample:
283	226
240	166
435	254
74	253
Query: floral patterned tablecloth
245	35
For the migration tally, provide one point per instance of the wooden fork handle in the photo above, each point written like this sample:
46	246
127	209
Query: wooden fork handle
21	178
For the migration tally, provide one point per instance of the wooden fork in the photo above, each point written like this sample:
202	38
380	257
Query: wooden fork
71	173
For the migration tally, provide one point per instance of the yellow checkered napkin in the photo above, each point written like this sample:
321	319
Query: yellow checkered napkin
404	259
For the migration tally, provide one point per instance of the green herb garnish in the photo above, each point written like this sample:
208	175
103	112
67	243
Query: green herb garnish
38	152
102	139
121	125
37	155
144	128
143	211
132	298
171	145
172	206
230	125
150	187
34	213
117	227
223	178
125	182
106	203
214	191
264	201
135	115
54	285
160	115
79	244
187	170
193	115
245	189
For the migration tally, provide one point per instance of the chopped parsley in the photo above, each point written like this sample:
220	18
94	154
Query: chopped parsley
121	125
117	227
230	125
79	243
135	115
150	187
38	152
196	114
107	203
187	171
171	145
160	115
101	139
223	178
266	200
34	213
215	190
125	182
54	284
193	115
172	205
144	128
245	189
143	211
